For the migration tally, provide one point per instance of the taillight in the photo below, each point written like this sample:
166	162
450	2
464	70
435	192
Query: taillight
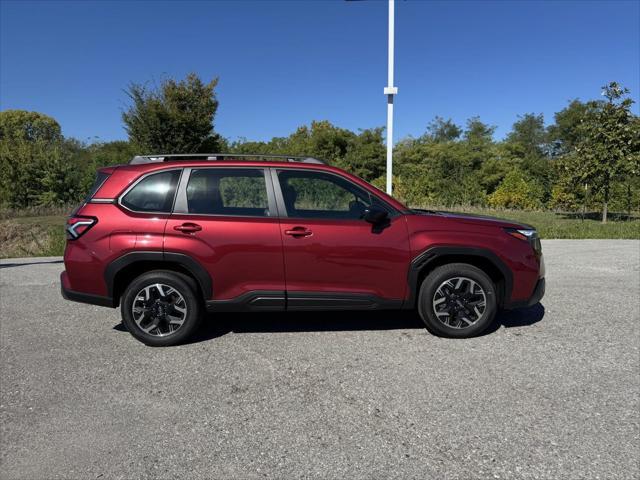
78	226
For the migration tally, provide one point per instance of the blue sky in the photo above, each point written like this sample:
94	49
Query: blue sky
282	64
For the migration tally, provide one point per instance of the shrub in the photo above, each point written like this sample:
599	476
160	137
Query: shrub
516	191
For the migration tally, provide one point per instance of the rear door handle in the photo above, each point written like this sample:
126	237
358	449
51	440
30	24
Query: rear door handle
298	232
188	228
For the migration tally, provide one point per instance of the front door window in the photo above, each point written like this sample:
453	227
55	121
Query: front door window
323	196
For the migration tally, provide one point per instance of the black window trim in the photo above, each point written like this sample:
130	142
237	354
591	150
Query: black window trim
393	212
275	199
97	185
181	206
141	178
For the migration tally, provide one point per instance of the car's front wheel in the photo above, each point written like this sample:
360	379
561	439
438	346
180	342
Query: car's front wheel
457	300
160	308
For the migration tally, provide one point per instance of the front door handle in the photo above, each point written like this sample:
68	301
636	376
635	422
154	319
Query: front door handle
299	232
188	228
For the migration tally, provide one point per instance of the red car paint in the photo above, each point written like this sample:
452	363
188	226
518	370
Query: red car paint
285	254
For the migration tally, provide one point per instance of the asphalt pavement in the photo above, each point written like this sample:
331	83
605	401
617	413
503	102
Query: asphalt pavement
552	391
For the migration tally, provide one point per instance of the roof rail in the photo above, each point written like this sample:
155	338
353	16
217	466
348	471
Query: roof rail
162	157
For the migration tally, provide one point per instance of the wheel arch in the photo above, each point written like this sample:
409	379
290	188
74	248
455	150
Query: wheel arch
484	259
121	271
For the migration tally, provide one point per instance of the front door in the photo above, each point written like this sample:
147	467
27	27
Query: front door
225	218
334	258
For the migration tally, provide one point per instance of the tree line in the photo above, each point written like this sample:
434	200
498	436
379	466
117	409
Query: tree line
588	158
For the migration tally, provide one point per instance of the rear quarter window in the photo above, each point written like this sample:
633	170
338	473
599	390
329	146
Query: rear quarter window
154	193
100	179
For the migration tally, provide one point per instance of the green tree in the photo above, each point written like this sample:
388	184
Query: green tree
479	144
88	158
478	132
527	146
362	153
321	139
111	153
59	180
29	143
176	117
441	130
38	173
366	154
528	135
517	191
609	147
565	133
495	167
437	174
563	136
21	125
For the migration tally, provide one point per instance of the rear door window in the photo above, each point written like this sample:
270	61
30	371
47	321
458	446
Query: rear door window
228	191
154	193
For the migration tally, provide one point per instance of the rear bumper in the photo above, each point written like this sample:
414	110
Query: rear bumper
538	293
80	297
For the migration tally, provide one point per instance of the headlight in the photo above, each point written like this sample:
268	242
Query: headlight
528	235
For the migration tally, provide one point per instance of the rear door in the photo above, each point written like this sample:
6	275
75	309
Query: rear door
147	204
334	258
225	218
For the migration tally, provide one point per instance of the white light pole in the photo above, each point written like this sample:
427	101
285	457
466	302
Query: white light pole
390	91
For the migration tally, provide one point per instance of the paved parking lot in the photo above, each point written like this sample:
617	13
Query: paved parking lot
552	392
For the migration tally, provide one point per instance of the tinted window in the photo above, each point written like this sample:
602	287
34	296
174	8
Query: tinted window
153	193
227	191
322	195
100	178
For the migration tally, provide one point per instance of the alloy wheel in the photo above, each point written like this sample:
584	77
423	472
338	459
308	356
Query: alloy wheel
159	310
459	302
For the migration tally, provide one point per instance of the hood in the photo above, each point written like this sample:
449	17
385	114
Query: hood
473	219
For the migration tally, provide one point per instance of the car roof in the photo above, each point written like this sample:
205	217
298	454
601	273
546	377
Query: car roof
165	157
168	164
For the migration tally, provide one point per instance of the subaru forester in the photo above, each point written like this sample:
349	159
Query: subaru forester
168	237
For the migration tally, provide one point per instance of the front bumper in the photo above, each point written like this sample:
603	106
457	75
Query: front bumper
536	296
538	292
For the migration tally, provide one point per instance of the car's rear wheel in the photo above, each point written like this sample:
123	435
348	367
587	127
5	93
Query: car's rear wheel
161	308
457	300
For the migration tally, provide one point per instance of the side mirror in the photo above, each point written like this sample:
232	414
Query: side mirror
375	215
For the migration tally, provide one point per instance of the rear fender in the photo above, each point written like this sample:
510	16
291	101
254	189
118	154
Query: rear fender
130	259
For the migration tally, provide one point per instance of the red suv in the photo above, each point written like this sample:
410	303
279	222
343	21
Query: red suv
169	236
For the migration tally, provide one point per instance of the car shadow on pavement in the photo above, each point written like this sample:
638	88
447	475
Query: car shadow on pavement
219	324
520	317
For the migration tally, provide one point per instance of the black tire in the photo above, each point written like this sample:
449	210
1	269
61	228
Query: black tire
184	286
460	306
